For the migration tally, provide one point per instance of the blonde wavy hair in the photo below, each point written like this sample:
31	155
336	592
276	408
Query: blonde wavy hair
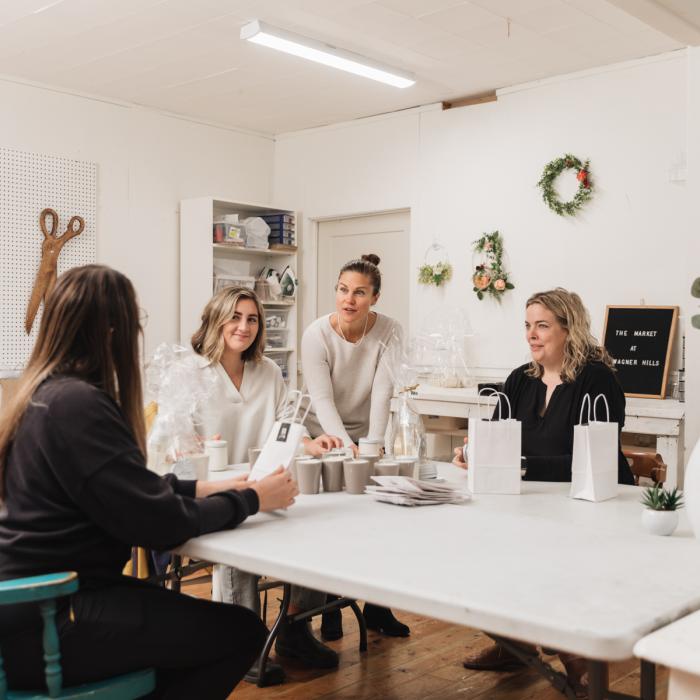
581	347
208	340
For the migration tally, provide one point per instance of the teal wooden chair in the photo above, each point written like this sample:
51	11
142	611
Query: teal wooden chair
44	590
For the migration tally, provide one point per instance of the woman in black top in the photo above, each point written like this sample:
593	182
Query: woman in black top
76	495
546	396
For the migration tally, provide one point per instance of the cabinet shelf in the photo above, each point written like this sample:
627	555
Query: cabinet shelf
201	259
278	302
252	252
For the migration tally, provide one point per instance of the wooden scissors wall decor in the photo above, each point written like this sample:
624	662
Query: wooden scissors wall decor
50	250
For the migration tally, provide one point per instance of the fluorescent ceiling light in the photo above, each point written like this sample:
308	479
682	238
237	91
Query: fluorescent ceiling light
297	45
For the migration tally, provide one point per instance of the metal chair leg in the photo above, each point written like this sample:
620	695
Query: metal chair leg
362	624
532	659
176	566
284	607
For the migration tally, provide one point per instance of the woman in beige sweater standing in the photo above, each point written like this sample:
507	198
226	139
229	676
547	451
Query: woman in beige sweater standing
350	387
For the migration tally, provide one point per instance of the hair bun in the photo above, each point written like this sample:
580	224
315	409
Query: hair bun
371	257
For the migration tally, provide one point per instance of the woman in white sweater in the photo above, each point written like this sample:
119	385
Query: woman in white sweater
249	396
350	387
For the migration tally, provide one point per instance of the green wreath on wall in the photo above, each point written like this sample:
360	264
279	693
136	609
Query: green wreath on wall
552	171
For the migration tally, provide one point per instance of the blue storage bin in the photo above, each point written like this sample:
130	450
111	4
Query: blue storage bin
287	228
285	239
271	219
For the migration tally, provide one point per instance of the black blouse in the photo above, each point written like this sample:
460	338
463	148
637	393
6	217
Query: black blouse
78	494
548	439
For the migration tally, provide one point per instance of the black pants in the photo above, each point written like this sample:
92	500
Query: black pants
198	649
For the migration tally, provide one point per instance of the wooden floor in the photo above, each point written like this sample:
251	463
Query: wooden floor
426	666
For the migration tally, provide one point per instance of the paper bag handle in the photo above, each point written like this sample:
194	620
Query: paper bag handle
607	408
586	400
498	395
297	405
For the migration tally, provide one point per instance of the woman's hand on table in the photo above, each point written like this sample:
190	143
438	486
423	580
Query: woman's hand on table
276	491
235	483
458	460
321	444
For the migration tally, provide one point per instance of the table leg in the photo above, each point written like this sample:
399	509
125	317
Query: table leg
597	680
667	447
648	681
284	607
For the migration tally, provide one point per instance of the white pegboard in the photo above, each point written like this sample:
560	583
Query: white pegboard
29	183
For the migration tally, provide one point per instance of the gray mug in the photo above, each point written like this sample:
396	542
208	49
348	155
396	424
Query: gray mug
332	473
372	459
308	475
293	466
386	467
407	466
356	473
253	454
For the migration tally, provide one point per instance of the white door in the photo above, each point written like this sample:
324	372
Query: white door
385	235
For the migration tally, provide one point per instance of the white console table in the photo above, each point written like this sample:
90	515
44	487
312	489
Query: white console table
660	417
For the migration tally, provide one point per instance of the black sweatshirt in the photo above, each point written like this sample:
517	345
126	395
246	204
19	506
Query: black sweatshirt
78	494
547	440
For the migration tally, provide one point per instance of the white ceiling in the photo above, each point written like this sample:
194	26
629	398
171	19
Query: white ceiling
185	56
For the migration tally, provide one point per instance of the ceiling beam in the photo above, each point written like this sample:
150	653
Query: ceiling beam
479	99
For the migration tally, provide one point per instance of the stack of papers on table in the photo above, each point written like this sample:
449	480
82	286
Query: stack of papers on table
403	491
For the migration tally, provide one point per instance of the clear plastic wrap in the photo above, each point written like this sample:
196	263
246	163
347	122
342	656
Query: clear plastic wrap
180	386
406	436
437	351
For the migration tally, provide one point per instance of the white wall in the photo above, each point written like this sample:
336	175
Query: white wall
147	162
466	171
690	252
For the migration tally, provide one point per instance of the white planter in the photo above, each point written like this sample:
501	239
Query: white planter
660	522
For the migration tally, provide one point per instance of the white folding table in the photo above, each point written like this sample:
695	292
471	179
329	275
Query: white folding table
677	646
576	576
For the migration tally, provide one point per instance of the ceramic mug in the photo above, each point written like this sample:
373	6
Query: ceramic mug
407	466
308	475
356	472
253	454
332	473
386	467
217	451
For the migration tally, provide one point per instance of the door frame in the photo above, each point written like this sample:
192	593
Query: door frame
316	220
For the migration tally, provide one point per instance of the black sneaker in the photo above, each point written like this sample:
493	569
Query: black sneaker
331	626
296	641
382	620
273	674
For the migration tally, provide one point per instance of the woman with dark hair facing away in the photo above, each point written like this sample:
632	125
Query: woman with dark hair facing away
250	395
546	396
77	495
350	387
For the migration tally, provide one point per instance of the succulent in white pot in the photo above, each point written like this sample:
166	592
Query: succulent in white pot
660	514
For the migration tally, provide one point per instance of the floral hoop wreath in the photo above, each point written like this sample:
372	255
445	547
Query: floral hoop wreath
436	273
552	171
490	277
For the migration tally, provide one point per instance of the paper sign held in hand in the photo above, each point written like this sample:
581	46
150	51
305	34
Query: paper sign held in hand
282	443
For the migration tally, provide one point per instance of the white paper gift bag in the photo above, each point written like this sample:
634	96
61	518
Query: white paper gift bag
595	454
282	443
493	453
